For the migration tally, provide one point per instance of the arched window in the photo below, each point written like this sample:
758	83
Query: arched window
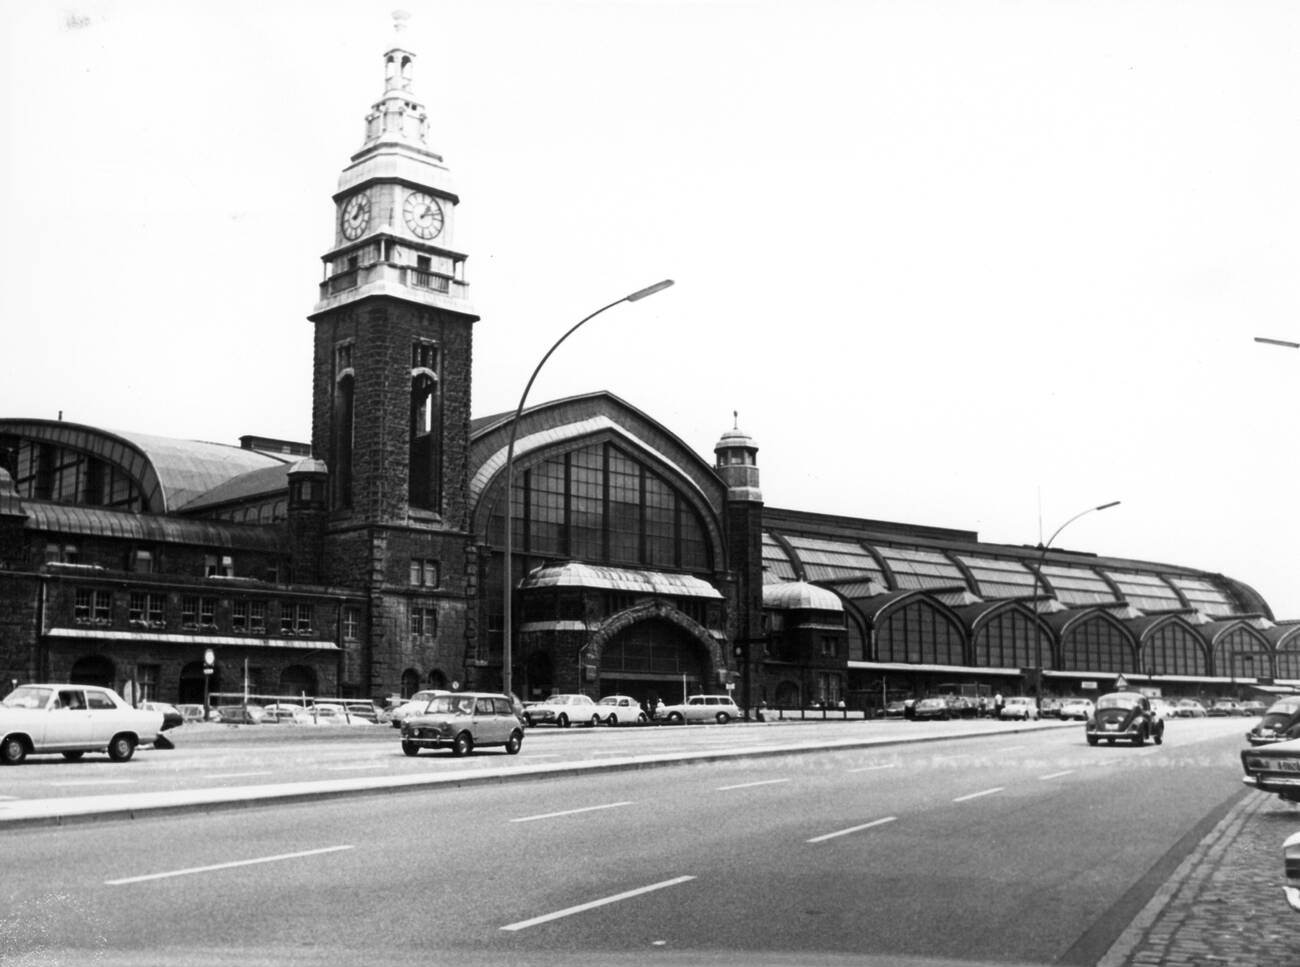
1096	645
425	472
410	682
920	633
1241	654
344	413
1287	658
1012	639
1173	649
92	670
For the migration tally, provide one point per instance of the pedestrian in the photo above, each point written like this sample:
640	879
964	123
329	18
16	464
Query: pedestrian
997	705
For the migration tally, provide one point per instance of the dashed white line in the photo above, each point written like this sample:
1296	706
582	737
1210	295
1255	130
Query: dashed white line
887	765
236	775
570	812
351	768
1057	775
582	907
852	829
226	866
976	795
751	785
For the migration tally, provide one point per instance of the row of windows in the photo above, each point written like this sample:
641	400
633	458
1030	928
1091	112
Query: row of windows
140	560
43	471
95	606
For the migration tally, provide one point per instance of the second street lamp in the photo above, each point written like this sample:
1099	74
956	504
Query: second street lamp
508	563
1042	550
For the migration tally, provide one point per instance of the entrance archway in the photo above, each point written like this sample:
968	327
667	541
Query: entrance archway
191	684
655	659
298	680
92	670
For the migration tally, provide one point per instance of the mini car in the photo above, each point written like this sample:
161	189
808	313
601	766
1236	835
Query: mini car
564	710
1280	723
1124	715
73	720
700	708
1190	708
1274	767
462	722
1076	708
1020	707
622	710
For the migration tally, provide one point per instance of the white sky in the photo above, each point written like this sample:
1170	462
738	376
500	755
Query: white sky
972	264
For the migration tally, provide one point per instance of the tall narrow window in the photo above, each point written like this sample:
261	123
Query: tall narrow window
341	472
425	474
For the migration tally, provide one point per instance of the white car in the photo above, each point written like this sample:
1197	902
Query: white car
565	710
1076	708
1020	707
414	705
622	710
73	720
700	708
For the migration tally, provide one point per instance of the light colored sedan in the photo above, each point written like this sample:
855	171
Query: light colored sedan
73	720
622	710
1076	708
1020	707
700	708
565	710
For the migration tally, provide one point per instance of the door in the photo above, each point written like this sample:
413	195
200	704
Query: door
68	721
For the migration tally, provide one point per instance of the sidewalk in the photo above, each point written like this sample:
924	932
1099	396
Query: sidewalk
1224	903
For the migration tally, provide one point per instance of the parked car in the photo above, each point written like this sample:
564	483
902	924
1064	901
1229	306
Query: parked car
462	722
1076	708
328	713
932	708
1020	707
564	710
1124	715
700	708
895	710
359	712
1051	707
416	703
285	712
240	714
191	713
622	710
1224	706
172	716
1164	708
1253	707
1280	723
1274	767
73	720
1190	708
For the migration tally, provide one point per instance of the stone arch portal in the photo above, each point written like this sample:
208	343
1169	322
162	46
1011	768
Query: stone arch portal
654	651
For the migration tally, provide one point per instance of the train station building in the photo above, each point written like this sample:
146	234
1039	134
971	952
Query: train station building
369	560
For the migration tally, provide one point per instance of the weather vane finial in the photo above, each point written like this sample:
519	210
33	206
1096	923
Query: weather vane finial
399	20
735	417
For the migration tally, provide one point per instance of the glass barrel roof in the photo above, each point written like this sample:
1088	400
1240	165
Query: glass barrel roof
1146	592
1078	587
825	560
777	568
999	579
1204	596
915	568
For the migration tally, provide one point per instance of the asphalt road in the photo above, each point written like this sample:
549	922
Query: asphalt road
1016	848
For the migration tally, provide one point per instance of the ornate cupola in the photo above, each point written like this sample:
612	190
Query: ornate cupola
737	456
395	207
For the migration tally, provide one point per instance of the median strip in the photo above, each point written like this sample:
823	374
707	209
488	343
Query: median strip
570	812
851	829
225	866
583	907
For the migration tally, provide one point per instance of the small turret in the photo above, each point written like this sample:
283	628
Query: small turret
737	463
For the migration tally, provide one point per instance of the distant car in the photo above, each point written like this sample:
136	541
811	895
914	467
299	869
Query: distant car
328	713
73	720
359	712
1020	707
416	703
700	708
622	710
1051	707
1076	708
240	714
932	708
191	713
1163	708
462	722
564	710
1224	706
1124	715
895	710
172	716
1190	708
285	712
1280	723
1253	707
1274	767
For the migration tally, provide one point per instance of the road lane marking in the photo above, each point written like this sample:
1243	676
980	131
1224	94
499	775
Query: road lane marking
570	812
976	795
852	829
887	765
236	775
95	782
226	866
1056	775
363	765
583	907
750	785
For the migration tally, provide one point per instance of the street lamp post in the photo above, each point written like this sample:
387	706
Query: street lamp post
510	479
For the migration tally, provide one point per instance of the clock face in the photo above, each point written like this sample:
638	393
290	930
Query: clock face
423	215
355	217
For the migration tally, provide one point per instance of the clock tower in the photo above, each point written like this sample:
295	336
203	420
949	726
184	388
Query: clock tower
391	398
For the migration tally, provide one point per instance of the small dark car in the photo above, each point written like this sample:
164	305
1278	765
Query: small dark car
932	708
1124	715
1280	722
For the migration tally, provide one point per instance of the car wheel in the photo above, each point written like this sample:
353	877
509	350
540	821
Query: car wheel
1092	740
74	755
642	718
595	721
121	747
515	742
1110	741
723	718
1140	739
529	720
410	748
562	721
463	744
675	718
13	750
1159	737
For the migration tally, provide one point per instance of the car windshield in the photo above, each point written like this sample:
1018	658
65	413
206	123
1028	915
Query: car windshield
1288	706
609	701
27	696
1117	701
451	705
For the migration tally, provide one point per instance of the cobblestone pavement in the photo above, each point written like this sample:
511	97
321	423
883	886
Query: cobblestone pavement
1224	904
